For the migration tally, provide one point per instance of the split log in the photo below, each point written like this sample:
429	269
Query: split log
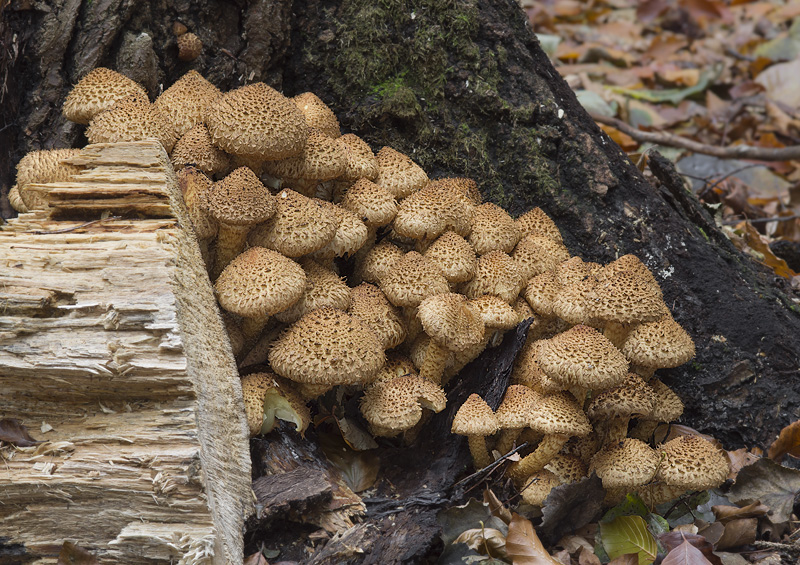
112	350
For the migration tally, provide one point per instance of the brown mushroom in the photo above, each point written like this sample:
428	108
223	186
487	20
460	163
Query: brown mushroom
395	405
97	92
476	420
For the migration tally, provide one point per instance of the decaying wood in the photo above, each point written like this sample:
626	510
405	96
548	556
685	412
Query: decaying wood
111	349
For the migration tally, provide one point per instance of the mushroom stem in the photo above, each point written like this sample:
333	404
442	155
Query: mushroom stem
435	361
507	438
230	243
548	447
251	329
644	429
645	372
612	430
480	455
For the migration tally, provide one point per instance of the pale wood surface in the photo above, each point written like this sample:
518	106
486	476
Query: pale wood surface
109	335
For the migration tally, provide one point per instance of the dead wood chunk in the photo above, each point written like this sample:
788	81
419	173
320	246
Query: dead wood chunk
293	493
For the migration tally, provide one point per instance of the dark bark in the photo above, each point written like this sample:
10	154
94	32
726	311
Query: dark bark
463	88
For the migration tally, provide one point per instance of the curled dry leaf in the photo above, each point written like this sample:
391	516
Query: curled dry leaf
685	554
486	541
497	508
774	485
738	532
673	540
14	432
788	443
255	559
739	459
523	545
727	513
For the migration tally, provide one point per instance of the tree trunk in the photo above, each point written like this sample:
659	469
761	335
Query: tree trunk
462	87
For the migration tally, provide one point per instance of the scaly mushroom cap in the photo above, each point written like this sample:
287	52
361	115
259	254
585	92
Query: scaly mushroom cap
558	413
195	187
493	229
541	292
535	254
574	270
583	357
395	405
568	468
351	233
257	121
323	288
630	263
632	397
454	256
375	206
259	282
495	312
430	211
627	464
523	308
517	402
327	346
535	221
41	167
475	418
267	398
625	297
538	486
451	320
189	47
320	159
570	302
16	201
379	261
300	226
667	406
184	104
98	91
195	148
496	274
240	199
370	305
398	174
691	462
317	114
528	372
412	279
131	119
462	185
361	161
661	344
396	365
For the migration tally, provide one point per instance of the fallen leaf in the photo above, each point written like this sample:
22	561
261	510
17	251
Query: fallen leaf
628	534
685	554
71	554
571	506
728	513
523	545
674	540
587	557
738	533
497	508
255	559
14	432
782	83
774	485
740	458
625	141
788	442
355	436
629	559
486	541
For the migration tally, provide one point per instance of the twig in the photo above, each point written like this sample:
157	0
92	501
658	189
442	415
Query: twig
490	467
730	152
762	220
73	228
723	178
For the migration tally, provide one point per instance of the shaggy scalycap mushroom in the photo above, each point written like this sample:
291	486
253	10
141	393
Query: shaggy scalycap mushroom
379	261
195	148
398	174
512	414
411	280
660	344
692	463
98	91
612	409
370	305
327	346
45	166
268	398
361	161
375	206
190	47
476	420
429	212
257	121
318	115
184	104
131	119
625	464
395	405
320	159
461	185
493	229
535	221
454	256
496	274
323	288
535	254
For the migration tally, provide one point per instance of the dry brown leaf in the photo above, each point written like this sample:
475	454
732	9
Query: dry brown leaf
664	45
14	432
740	458
685	554
523	545
674	540
587	557
738	533
629	559
625	141
788	443
497	508
763	254
71	554
727	513
486	541
255	559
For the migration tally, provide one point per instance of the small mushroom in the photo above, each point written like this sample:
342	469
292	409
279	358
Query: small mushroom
370	305
512	414
97	92
476	421
45	166
537	487
535	221
395	405
493	229
268	398
317	114
454	256
536	254
361	161
398	174
189	47
612	409
625	466
131	119
185	103
496	274
195	148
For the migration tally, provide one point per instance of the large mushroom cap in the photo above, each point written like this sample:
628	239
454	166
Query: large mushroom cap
535	254
317	114
454	256
627	464
495	312
451	320
535	221
558	413
430	211
379	261
98	91
327	346
412	279
660	344
131	119
184	104
394	405
632	397
259	282
320	159
361	161
374	205
398	174
517	402
257	121
496	274
300	225
625	297
583	357
493	229
195	148
323	288
370	305
475	418
47	165
691	462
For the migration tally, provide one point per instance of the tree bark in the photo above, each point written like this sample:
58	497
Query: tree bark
462	87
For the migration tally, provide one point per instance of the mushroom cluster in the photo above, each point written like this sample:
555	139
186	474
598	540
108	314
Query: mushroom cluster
339	266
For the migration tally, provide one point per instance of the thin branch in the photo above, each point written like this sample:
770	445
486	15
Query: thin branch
730	152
